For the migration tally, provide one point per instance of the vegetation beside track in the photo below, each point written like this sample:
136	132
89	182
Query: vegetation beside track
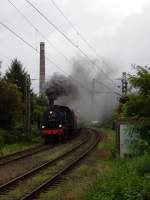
104	176
79	180
127	179
14	112
16	147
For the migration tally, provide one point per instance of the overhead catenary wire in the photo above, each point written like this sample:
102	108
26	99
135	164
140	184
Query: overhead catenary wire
101	83
36	29
71	24
57	29
78	32
49	60
6	57
63	34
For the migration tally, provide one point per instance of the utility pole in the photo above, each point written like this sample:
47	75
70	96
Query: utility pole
93	98
124	84
93	92
0	68
124	98
28	106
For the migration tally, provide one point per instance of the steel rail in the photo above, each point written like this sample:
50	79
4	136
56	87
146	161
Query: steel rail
41	167
23	154
51	181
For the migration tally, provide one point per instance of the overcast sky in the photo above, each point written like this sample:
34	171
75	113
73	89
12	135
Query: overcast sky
119	31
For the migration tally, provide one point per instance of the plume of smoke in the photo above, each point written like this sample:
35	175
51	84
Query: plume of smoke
59	86
93	103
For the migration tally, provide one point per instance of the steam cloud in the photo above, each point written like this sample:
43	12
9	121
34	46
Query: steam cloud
59	86
91	105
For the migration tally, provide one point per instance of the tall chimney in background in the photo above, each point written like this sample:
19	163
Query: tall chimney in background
42	67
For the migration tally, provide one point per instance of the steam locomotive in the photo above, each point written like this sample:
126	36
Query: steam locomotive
58	123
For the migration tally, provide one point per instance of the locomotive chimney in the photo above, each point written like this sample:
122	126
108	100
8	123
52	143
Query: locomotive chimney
51	102
42	68
51	98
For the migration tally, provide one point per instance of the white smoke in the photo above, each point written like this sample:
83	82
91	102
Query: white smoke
92	93
95	100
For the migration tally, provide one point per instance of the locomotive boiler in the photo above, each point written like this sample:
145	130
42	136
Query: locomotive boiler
58	123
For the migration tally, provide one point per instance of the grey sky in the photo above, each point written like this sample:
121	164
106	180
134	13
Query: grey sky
118	30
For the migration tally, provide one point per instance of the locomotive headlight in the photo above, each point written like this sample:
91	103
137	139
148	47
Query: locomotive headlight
50	112
60	126
43	126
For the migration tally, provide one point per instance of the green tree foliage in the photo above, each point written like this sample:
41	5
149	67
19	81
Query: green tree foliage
139	102
10	104
129	180
141	80
13	103
39	106
138	106
16	74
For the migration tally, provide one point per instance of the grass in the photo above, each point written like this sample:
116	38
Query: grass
12	148
26	186
79	184
102	176
127	179
124	182
79	180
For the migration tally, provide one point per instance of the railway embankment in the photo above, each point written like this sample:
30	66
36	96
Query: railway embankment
127	178
54	163
99	175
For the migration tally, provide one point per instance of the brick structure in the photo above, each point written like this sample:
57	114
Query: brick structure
42	67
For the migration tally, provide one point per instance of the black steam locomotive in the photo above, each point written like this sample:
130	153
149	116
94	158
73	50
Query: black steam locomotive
58	123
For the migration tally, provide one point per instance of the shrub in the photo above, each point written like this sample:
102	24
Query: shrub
14	135
127	182
142	166
2	132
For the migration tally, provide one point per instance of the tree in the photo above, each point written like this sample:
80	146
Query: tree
39	105
138	106
10	104
141	80
139	101
16	74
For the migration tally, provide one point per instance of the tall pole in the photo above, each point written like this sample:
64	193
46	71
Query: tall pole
42	67
28	106
124	84
93	98
93	92
0	68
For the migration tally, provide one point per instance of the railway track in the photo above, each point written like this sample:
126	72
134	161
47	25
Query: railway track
72	157
23	154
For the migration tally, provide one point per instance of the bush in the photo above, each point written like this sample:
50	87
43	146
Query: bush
14	135
17	136
127	182
141	136
2	132
142	166
35	131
